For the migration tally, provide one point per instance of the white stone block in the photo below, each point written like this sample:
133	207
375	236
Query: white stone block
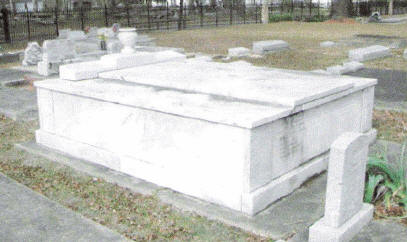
327	44
322	232
47	68
263	47
369	53
58	50
405	54
63	33
238	52
86	46
76	35
120	61
338	70
82	71
353	66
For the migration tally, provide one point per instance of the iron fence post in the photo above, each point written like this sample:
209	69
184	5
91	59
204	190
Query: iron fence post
148	15
168	20
82	18
6	24
201	14
56	21
28	23
255	11
244	12
106	17
216	16
128	14
231	12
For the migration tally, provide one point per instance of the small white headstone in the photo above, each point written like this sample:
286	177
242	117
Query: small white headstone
345	212
263	47
76	35
353	66
405	54
338	70
238	52
93	32
327	44
113	46
369	53
57	50
63	33
32	54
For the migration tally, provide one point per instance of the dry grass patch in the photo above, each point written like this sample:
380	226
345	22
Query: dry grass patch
304	39
390	125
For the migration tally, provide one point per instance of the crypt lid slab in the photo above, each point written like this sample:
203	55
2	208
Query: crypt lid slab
238	80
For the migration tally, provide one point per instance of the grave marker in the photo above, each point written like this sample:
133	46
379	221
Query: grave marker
345	212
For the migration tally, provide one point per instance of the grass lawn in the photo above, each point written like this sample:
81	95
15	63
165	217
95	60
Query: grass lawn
304	39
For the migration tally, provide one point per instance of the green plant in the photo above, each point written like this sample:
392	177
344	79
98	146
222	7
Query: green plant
280	17
387	180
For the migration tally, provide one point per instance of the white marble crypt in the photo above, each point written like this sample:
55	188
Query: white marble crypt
233	134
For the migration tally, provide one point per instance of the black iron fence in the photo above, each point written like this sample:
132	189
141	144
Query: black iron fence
45	24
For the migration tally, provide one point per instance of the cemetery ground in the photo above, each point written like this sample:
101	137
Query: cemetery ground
145	217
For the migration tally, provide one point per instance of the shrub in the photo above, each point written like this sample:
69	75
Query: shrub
387	181
280	17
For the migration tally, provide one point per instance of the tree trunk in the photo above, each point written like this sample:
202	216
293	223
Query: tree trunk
342	8
390	7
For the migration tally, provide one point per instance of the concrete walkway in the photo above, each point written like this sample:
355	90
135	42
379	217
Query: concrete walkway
28	216
18	104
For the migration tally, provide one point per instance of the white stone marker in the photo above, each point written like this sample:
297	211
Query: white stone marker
369	53
327	44
338	70
63	33
263	47
238	52
76	35
345	212
405	54
353	66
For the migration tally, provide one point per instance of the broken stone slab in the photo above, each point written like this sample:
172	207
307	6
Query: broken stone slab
327	44
345	213
238	52
353	66
266	46
369	53
32	54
